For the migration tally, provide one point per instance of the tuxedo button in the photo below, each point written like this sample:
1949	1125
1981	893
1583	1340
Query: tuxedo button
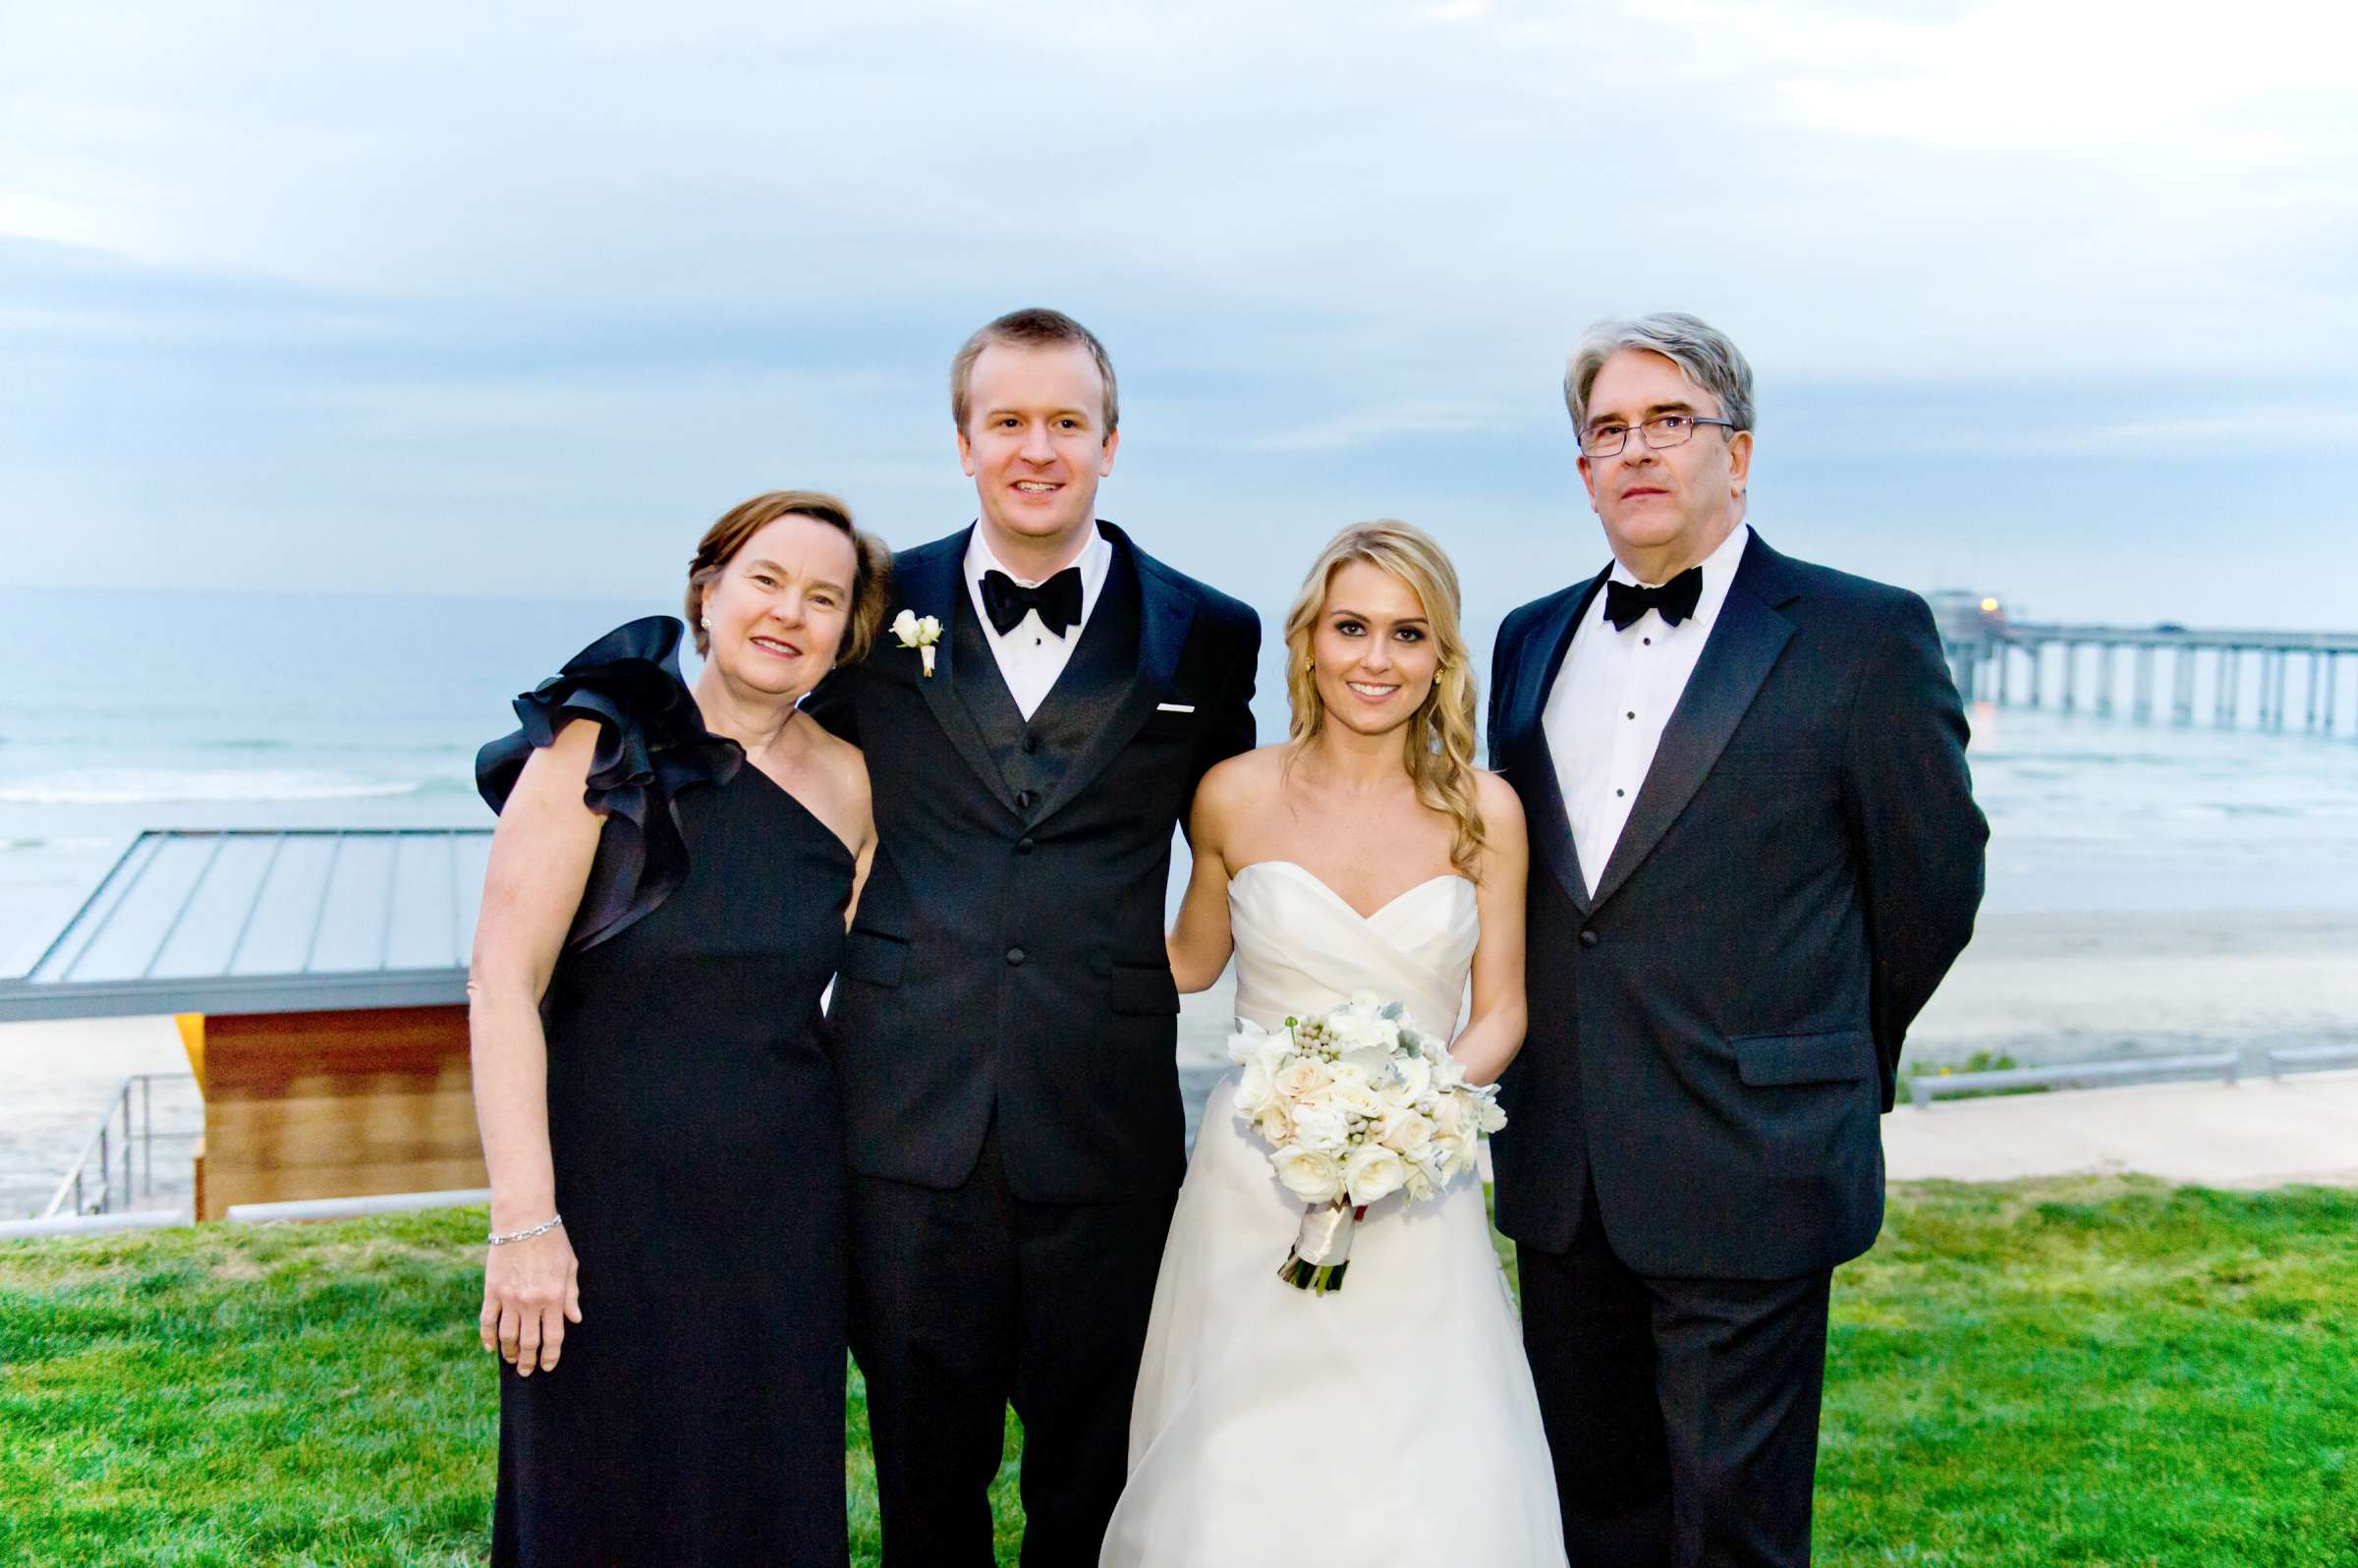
1031	743
1588	938
1015	958
1024	846
1024	800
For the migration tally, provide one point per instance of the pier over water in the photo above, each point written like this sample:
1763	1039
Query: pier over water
2081	664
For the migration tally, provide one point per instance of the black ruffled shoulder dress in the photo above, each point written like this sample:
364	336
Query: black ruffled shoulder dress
697	1414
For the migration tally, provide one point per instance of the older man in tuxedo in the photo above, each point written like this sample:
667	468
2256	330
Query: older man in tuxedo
1756	855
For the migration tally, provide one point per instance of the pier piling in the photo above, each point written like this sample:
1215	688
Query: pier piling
1981	643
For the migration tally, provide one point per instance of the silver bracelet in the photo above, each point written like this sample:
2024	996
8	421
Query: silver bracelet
542	1229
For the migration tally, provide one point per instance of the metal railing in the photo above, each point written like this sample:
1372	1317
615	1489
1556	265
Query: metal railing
2227	1066
2311	1058
119	1160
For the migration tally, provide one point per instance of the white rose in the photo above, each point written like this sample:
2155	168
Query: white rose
1453	1153
1274	1123
1373	1171
1422	1183
929	629
1412	1080
1309	1175
1254	1092
1321	1124
1450	1118
904	626
1354	1091
1405	1131
1300	1077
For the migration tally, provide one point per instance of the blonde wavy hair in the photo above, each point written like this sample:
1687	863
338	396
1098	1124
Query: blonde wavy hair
1437	741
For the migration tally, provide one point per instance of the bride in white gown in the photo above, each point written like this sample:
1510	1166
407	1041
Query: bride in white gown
1392	1421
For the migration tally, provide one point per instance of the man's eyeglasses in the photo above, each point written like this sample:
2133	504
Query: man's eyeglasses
1607	438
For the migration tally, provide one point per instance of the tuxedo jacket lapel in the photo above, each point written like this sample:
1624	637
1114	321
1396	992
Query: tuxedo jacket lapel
931	585
1165	611
1743	643
1542	658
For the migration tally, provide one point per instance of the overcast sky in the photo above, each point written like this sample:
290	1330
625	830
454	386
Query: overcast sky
2052	299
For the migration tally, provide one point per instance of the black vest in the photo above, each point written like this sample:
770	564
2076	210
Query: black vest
1032	756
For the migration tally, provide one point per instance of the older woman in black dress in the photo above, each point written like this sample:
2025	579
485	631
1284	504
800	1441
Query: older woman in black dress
666	900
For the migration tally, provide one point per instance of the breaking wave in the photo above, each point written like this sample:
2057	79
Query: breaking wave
126	786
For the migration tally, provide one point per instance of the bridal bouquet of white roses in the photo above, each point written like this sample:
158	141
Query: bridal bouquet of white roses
1356	1103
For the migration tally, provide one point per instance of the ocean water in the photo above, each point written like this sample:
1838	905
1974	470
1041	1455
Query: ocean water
121	711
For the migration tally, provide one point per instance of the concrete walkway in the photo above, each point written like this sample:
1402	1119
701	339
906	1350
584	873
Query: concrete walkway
55	1078
2259	1133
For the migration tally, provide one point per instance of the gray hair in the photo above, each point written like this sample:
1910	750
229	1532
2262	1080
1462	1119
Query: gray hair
1711	361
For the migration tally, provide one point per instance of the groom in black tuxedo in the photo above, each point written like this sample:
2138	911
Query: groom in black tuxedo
1005	1020
1756	853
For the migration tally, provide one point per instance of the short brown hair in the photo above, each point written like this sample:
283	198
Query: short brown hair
871	562
1033	328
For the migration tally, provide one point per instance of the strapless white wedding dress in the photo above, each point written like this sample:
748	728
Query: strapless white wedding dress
1391	1422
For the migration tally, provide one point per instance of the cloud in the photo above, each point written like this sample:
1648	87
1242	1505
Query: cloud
1367	427
287	261
1983	183
2273	429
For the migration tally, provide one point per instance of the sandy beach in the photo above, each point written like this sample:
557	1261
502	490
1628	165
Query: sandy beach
2043	989
2069	988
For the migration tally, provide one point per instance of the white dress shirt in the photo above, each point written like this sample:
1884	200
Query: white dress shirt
1031	657
1606	713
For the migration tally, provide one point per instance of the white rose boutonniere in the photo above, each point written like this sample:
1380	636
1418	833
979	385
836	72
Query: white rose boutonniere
920	634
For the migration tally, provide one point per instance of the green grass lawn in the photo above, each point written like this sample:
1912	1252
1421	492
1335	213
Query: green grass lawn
2084	1373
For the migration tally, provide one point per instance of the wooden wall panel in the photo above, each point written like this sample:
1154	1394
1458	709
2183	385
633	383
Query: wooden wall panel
336	1105
225	1188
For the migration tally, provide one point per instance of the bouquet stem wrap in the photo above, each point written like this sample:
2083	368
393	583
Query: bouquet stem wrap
1322	1248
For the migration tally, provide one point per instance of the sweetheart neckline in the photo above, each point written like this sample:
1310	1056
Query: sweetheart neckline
1321	883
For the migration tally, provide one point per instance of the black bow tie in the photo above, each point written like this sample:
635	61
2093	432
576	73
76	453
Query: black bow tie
1673	601
1058	600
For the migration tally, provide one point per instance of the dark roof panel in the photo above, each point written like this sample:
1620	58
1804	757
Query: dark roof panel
263	921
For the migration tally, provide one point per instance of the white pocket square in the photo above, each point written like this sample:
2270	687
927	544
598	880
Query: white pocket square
1174	708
